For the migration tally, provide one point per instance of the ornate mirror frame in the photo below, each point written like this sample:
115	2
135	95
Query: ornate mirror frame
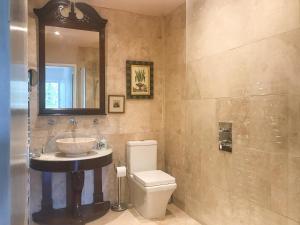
50	15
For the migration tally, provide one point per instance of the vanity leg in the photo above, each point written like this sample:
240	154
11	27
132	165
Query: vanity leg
77	182
47	203
69	190
98	194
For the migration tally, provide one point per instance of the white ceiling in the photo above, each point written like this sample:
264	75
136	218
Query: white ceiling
146	7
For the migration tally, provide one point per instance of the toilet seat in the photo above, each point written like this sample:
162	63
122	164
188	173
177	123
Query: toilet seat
153	178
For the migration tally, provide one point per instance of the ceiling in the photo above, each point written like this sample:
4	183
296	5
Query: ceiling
146	7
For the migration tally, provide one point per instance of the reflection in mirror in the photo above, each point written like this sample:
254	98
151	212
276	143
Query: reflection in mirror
72	68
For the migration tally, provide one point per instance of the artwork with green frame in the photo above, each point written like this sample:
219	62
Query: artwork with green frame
139	79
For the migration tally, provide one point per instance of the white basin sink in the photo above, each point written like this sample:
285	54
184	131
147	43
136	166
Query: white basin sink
75	146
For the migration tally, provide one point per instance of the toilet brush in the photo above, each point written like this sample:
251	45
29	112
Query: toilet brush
118	206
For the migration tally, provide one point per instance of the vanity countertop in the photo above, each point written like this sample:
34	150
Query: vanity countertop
58	156
58	162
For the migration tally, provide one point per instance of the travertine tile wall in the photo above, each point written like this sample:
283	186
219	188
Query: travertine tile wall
174	38
242	67
129	36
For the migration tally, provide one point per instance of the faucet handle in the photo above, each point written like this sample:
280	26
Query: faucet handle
43	150
33	155
96	121
98	144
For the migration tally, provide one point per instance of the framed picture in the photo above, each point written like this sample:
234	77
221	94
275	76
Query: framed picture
116	103
139	80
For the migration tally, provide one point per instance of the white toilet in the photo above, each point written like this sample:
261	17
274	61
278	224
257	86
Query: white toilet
150	188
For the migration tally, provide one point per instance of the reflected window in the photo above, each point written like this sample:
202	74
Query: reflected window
59	86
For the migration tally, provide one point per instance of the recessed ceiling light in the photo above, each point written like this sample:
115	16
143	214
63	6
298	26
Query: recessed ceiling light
56	33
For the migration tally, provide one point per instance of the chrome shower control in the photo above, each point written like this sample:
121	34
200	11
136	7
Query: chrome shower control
225	136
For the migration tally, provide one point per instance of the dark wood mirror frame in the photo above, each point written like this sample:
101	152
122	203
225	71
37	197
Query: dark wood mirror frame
50	15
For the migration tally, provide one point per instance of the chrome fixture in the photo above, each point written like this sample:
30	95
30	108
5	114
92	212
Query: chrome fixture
95	121
43	150
225	136
118	206
73	121
51	121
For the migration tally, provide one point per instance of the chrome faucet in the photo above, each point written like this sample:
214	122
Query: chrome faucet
73	121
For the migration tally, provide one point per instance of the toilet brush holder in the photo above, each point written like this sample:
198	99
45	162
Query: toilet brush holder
118	206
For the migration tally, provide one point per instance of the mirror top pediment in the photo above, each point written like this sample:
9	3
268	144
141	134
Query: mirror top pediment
79	16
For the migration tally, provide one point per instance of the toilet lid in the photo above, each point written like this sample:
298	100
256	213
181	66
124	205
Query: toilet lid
153	178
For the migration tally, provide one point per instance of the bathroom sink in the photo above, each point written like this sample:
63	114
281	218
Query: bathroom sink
75	146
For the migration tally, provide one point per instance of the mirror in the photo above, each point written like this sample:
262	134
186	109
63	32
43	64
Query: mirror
72	68
71	59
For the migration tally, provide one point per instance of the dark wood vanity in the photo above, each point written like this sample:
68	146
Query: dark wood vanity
65	28
74	213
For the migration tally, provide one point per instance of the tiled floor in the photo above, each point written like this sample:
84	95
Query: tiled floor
174	216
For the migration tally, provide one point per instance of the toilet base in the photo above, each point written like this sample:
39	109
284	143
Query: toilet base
151	202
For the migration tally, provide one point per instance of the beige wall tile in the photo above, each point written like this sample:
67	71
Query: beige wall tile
294	125
192	88
175	20
174	107
217	26
268	123
243	55
279	183
294	188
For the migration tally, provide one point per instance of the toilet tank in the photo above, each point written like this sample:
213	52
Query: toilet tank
141	155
